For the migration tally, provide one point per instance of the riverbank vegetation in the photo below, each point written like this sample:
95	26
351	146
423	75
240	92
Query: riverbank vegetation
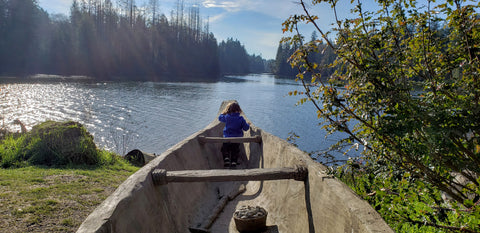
53	144
111	40
419	161
282	68
53	176
234	59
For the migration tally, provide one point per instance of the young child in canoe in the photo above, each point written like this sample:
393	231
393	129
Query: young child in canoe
234	127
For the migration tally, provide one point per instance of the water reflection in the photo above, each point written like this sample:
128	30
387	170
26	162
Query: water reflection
260	78
155	116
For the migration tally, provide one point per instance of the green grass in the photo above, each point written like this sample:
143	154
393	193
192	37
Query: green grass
52	177
43	199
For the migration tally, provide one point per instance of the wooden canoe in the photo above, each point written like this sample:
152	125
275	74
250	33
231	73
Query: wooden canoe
186	188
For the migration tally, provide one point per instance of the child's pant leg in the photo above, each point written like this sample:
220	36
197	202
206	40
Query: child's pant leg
231	151
225	150
234	151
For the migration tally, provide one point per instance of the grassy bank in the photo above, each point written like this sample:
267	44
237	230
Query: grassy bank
42	199
53	176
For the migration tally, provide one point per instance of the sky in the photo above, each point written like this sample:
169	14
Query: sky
257	24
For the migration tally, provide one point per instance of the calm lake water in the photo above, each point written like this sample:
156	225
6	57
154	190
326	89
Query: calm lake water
155	116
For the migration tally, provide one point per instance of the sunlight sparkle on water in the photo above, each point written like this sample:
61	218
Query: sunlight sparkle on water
155	116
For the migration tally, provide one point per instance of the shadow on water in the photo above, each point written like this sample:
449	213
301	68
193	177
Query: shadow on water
259	78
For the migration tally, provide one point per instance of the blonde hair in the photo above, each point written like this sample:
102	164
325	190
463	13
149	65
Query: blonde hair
232	108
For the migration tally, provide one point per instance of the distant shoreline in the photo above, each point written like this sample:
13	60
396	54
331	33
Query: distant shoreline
54	76
47	77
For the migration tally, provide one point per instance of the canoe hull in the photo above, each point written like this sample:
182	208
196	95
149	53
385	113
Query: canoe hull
320	204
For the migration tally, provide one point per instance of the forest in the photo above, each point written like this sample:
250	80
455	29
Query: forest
234	59
116	41
323	56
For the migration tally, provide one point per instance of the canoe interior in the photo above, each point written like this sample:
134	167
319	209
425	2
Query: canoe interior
321	204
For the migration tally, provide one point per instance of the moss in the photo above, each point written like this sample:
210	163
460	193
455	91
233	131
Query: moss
61	143
51	143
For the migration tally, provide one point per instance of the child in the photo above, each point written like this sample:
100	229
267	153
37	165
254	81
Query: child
234	127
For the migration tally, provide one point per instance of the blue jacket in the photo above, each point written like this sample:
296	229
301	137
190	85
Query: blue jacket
234	125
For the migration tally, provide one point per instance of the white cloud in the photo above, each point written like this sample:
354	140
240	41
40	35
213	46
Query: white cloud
220	4
273	8
231	6
216	18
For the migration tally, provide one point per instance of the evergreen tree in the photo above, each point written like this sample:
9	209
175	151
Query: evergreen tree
104	42
282	66
233	57
257	64
18	37
322	55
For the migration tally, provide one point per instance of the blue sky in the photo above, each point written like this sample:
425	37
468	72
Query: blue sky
257	24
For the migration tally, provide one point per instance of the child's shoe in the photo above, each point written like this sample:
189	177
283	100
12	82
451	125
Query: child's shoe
226	162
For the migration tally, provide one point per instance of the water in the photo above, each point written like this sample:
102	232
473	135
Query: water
155	116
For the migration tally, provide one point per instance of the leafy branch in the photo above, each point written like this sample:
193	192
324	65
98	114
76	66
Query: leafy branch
406	87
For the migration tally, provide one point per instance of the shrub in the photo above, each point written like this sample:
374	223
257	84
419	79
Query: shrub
406	89
52	143
10	151
61	143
